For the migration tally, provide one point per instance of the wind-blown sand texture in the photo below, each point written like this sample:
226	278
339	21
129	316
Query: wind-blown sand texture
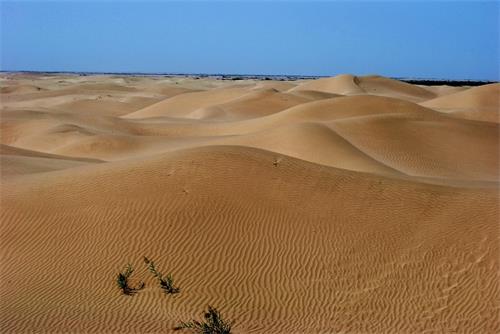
339	205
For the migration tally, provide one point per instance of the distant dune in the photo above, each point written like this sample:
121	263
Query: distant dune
339	205
478	103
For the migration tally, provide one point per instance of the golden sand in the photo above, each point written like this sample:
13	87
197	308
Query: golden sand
339	205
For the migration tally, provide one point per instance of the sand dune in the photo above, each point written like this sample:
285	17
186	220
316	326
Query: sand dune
428	148
344	84
261	102
106	105
480	103
179	106
16	161
312	142
339	205
14	151
374	85
19	89
377	85
13	165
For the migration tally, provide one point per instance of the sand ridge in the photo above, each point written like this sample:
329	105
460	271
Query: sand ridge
345	204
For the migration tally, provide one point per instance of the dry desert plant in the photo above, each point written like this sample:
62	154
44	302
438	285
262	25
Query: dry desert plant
166	283
122	279
213	324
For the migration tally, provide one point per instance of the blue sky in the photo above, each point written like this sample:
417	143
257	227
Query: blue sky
428	39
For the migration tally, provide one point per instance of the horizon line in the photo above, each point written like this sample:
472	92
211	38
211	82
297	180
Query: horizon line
246	75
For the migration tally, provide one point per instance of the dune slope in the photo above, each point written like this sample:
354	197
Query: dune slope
479	103
290	243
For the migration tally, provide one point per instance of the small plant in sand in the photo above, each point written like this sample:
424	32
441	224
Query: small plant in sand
213	324
167	282
122	279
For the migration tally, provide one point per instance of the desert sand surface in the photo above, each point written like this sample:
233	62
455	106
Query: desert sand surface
339	205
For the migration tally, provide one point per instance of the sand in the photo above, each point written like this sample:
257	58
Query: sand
339	205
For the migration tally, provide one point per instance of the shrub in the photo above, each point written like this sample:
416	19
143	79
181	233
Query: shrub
213	324
166	283
122	280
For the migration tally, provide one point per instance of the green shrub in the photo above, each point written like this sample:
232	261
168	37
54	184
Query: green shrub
213	324
166	283
122	280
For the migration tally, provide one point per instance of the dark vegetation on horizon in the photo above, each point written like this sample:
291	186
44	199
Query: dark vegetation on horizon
439	82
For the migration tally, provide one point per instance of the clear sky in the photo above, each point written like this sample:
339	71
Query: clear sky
427	39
